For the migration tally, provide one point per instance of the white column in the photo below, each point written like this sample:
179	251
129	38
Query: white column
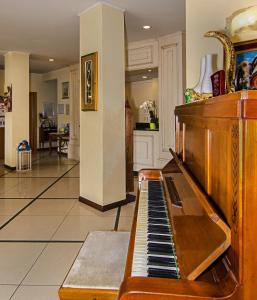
73	151
102	132
17	121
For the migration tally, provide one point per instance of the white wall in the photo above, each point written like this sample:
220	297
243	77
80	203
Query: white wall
139	91
61	75
1	82
46	92
202	16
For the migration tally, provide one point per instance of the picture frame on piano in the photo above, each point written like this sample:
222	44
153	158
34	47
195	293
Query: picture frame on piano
246	65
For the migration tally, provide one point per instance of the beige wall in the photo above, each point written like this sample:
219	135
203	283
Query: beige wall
102	132
202	16
46	92
17	121
138	92
1	82
61	75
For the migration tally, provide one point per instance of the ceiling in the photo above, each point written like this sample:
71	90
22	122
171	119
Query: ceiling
50	28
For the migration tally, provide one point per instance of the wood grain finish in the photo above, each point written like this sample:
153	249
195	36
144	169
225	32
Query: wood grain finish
87	294
216	146
228	171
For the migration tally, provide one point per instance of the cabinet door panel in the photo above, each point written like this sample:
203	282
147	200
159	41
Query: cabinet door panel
170	90
142	55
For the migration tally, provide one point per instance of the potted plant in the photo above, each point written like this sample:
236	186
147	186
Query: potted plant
150	108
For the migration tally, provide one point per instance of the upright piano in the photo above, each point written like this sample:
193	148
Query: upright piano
194	234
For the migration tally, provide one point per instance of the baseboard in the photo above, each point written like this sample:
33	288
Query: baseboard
10	168
129	198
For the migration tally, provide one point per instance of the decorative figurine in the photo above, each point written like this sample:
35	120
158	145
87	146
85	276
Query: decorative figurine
218	83
229	58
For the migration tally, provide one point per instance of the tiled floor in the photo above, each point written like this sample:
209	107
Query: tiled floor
43	226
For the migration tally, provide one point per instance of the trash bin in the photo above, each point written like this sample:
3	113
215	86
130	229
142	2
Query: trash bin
23	156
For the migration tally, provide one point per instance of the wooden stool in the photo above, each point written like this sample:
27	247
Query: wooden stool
98	269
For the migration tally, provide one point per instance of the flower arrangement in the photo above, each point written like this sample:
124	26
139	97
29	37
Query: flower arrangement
150	108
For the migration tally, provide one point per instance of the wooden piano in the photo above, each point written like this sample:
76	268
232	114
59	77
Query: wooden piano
195	226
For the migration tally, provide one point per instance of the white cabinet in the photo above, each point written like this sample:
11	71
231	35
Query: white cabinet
145	149
142	55
171	87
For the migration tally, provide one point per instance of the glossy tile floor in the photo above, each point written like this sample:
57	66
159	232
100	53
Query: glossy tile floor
43	226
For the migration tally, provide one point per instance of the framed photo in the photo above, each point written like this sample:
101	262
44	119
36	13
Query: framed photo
89	82
60	109
246	65
65	90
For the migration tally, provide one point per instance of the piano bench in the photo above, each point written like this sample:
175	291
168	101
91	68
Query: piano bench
99	268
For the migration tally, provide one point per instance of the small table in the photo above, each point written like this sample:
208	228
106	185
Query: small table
62	139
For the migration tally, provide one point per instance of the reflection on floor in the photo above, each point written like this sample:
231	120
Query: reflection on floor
43	226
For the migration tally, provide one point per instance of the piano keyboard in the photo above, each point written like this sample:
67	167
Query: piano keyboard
154	251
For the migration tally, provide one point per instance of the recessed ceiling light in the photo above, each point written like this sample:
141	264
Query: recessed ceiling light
144	77
150	70
51	59
147	27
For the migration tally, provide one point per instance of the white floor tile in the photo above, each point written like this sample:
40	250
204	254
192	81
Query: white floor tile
125	223
64	188
81	209
42	171
23	187
6	291
16	259
128	210
3	219
36	293
53	264
12	206
77	227
49	207
31	228
74	172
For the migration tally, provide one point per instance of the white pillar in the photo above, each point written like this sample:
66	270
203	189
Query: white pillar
102	132
73	151
17	121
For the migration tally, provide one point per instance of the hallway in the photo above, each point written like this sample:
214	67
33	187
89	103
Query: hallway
43	226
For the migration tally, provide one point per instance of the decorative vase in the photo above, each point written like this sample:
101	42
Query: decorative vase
152	126
198	87
210	68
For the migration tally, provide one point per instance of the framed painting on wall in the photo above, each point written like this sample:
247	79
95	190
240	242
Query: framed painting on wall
65	90
246	65
89	82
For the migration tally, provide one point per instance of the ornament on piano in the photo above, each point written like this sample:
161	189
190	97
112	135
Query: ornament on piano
203	89
218	83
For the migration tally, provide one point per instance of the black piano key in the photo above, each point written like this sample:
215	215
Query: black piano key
155	245
159	251
157	214
158	229
161	261
152	272
159	238
158	221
